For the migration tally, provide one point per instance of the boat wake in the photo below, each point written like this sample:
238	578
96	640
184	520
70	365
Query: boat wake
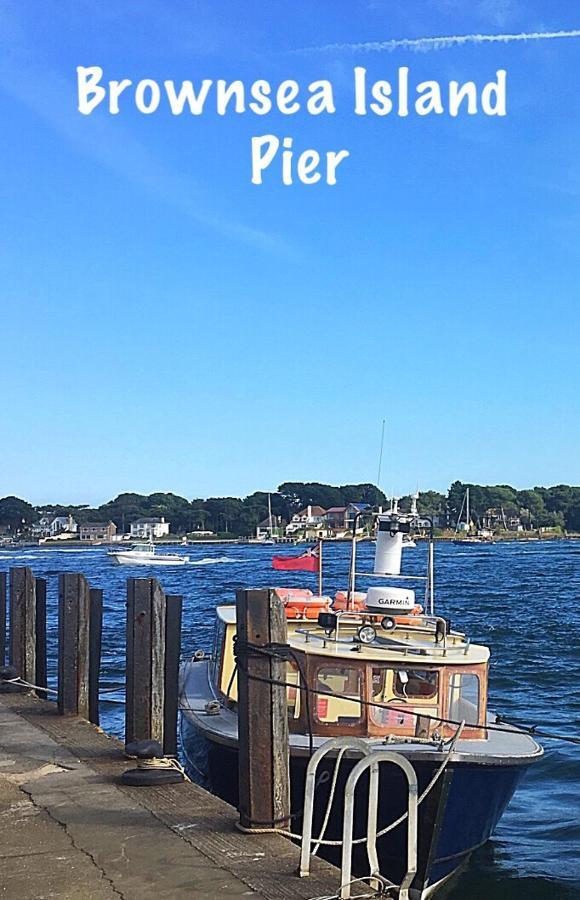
13	556
214	561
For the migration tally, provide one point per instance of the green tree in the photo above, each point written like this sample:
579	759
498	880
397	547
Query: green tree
298	494
175	509
199	516
455	498
17	514
123	510
431	503
362	493
573	516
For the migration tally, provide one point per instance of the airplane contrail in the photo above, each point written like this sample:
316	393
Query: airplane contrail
440	43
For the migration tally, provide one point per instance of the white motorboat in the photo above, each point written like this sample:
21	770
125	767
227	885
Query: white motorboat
146	555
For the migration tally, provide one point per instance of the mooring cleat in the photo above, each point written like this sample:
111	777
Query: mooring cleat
152	767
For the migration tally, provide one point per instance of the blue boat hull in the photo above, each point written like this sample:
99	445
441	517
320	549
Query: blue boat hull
457	816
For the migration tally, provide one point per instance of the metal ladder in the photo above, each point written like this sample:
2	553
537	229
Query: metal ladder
371	760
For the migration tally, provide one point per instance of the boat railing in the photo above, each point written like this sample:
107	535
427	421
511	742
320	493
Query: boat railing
371	760
433	626
406	647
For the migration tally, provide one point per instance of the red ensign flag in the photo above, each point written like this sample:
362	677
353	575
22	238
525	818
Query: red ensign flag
306	562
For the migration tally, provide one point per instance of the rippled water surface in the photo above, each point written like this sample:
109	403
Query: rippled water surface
520	599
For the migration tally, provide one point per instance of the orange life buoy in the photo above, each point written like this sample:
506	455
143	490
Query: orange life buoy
357	603
287	594
301	603
413	619
408	620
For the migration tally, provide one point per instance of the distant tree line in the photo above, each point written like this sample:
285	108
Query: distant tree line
537	507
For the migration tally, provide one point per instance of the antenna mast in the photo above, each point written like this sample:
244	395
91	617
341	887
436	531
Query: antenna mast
381	455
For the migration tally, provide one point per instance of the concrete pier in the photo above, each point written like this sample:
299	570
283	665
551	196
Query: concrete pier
69	829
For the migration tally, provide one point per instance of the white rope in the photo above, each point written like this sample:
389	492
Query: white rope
330	800
161	762
22	683
326	843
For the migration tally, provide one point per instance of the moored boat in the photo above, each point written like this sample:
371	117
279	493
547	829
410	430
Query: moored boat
375	667
468	538
146	555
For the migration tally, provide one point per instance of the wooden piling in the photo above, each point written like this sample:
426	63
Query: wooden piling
2	618
73	645
23	622
41	677
263	759
173	611
95	637
146	610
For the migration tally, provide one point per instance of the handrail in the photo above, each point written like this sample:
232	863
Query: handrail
391	643
372	761
340	743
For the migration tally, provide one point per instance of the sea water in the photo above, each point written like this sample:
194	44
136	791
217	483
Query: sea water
521	599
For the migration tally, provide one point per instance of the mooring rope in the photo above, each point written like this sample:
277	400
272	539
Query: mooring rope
21	682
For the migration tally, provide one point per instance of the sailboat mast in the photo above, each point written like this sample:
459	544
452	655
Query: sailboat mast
467	515
270	514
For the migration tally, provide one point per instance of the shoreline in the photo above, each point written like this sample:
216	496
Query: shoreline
244	542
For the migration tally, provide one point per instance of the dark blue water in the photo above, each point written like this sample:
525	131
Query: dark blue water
519	599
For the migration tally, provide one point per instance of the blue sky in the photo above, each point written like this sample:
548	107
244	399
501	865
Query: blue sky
167	325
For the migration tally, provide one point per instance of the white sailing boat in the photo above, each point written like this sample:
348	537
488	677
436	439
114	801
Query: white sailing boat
481	537
269	539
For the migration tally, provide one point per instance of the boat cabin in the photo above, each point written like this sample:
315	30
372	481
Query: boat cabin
402	684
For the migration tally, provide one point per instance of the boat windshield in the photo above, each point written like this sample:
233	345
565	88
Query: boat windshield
340	690
463	697
395	688
143	548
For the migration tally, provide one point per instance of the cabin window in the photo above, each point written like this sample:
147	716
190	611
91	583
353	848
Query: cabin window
464	697
397	687
413	684
293	692
344	708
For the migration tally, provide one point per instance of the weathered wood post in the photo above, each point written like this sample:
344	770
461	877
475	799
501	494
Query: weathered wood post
73	645
146	609
23	623
40	679
173	611
95	637
2	618
263	759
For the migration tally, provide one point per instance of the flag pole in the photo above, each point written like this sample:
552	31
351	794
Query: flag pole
320	567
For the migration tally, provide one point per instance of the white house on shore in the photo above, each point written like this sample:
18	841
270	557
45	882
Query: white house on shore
150	528
55	527
307	519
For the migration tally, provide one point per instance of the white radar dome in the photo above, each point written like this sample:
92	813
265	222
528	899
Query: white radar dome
390	598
